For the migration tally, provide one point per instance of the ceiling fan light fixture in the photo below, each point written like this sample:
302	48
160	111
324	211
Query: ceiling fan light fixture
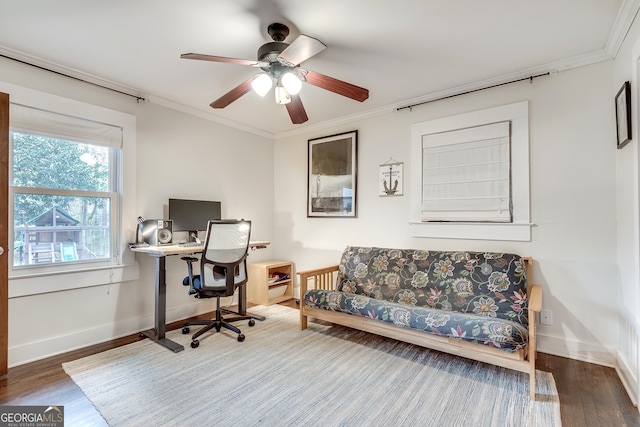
282	96
291	83
281	65
262	84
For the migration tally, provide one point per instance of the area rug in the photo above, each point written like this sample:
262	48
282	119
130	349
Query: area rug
324	376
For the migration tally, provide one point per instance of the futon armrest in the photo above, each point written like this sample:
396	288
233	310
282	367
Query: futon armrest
535	298
322	278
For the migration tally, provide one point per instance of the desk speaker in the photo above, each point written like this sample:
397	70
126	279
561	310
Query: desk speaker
157	231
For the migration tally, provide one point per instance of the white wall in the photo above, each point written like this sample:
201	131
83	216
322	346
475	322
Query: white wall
573	201
178	155
627	68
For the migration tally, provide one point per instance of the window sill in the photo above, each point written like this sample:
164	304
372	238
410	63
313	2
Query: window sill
520	232
33	284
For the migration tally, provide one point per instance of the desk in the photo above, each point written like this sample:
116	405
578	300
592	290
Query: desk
160	253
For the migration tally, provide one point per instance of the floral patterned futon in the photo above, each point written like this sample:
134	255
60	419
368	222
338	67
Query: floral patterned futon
473	296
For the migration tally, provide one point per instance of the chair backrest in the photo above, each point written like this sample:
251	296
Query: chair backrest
225	251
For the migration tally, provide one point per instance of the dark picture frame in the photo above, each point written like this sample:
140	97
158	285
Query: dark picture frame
623	115
332	175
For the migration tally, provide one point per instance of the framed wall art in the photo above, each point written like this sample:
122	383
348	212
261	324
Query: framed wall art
390	179
331	181
623	114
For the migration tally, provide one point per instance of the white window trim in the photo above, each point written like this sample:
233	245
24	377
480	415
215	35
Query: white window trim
520	228
125	267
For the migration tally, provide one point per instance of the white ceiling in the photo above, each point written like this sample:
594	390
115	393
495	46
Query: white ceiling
401	50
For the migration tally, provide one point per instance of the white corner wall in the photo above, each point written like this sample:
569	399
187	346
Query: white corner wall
178	155
573	201
627	68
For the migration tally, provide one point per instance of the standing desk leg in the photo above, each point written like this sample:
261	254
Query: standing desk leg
242	305
158	333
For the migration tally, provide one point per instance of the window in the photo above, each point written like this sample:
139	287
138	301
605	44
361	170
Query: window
63	196
68	214
472	172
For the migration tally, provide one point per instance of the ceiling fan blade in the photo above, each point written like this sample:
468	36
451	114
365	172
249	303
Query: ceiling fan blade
296	110
233	94
337	86
213	58
302	48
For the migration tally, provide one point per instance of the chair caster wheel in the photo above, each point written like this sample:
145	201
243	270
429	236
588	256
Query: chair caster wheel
252	322
240	337
195	344
185	330
141	335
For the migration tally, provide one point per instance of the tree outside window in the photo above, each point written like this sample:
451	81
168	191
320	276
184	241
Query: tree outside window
62	199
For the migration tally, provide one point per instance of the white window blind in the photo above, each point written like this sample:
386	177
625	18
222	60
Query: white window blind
466	174
47	123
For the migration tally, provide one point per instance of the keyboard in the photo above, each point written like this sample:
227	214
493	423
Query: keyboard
189	244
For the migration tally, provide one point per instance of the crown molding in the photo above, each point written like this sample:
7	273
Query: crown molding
164	102
551	68
45	65
305	129
626	14
29	60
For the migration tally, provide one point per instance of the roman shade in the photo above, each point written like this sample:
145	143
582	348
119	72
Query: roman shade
466	174
66	127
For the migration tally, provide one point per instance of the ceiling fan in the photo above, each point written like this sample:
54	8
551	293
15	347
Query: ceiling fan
280	62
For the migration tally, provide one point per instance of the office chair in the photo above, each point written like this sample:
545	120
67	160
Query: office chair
223	269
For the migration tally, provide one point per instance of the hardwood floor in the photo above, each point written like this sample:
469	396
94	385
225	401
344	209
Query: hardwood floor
590	395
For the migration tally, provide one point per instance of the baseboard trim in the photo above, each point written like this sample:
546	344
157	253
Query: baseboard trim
38	350
628	379
577	350
30	352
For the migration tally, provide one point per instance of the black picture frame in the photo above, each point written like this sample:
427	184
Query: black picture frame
332	176
623	115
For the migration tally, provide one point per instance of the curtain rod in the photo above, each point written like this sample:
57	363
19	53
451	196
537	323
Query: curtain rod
530	78
137	97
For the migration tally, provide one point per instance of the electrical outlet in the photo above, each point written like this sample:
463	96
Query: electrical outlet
546	317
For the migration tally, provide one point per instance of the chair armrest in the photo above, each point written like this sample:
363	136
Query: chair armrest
535	298
190	260
322	277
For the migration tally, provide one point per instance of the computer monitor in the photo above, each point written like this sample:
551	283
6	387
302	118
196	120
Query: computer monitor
193	215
